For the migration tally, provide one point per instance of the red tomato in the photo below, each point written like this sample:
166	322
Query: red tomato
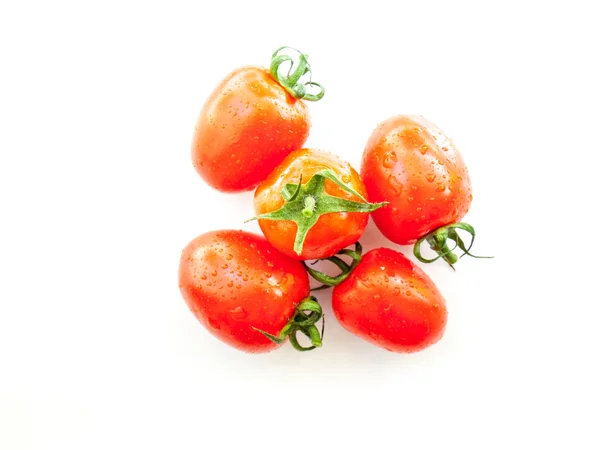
251	122
247	126
334	227
390	302
410	163
236	283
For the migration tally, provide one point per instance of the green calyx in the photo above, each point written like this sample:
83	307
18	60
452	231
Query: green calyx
308	312
345	269
438	241
304	204
291	80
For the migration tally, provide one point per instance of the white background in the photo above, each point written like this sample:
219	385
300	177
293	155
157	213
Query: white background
98	196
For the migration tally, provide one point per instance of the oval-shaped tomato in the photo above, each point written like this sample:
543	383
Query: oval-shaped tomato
248	125
331	231
390	302
236	283
411	164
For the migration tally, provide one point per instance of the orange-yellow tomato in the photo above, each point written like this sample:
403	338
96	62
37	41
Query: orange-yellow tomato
246	128
332	232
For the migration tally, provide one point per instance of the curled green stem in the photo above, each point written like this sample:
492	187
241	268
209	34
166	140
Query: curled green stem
291	81
307	314
438	242
345	269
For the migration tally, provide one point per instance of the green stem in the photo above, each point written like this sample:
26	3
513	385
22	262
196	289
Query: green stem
345	269
308	312
291	81
438	242
443	250
309	207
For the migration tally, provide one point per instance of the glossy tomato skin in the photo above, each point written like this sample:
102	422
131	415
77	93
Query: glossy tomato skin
332	232
390	302
247	126
235	280
410	163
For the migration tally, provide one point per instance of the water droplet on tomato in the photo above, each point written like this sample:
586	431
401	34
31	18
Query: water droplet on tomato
203	277
230	284
424	149
238	313
346	178
389	159
376	297
225	266
440	187
396	291
395	184
229	257
214	324
365	282
430	177
214	273
445	149
269	263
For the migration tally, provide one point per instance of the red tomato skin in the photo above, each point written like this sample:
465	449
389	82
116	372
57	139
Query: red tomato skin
390	302
411	164
332	232
234	280
248	125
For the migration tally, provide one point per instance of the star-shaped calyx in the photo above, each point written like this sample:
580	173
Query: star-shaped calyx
304	204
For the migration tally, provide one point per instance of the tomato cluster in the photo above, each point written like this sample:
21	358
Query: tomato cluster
253	292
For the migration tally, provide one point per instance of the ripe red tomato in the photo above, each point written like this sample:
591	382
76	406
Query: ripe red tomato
328	214
238	285
249	124
411	164
390	302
